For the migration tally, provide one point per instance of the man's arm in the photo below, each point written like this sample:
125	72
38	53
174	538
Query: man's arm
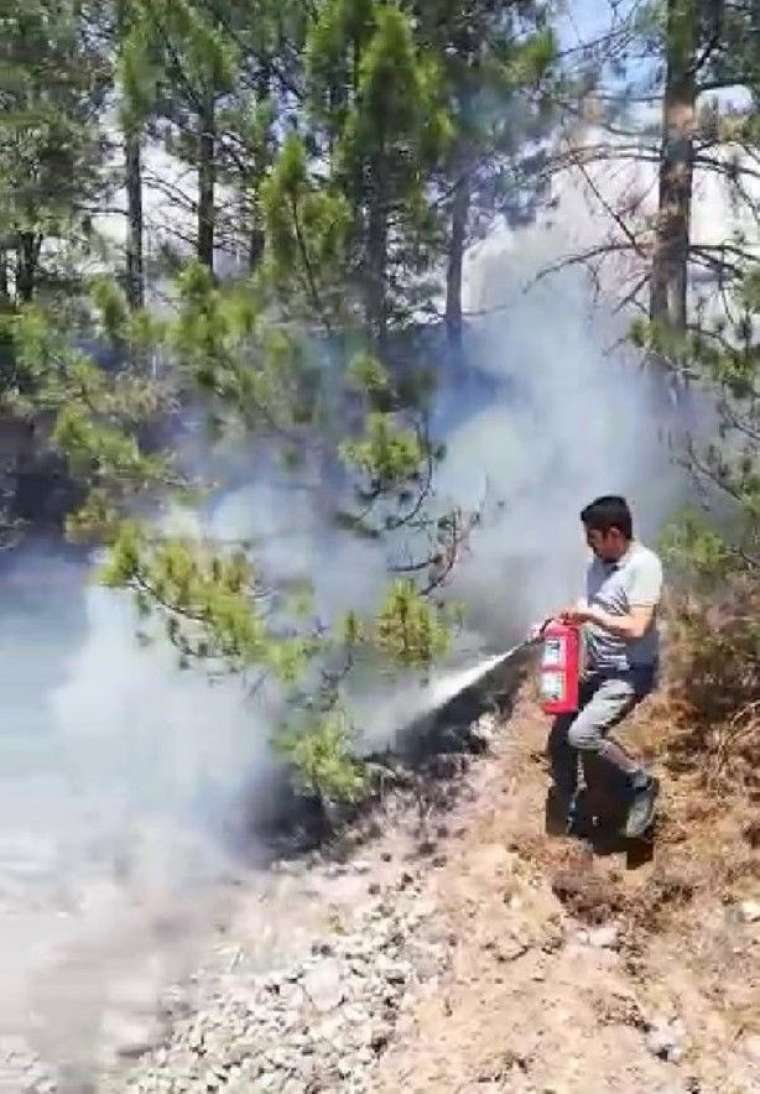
644	596
632	626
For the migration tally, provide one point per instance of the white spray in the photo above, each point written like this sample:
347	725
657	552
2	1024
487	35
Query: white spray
453	684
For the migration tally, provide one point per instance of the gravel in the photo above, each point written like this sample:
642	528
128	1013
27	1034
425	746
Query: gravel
319	1025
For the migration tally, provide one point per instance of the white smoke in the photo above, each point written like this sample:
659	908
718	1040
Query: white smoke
130	782
122	777
572	418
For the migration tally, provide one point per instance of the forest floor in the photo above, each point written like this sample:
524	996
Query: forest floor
467	950
578	970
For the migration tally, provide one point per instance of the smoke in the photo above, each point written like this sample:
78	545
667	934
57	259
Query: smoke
573	418
130	785
553	412
124	780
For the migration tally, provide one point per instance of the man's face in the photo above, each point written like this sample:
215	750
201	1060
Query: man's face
609	546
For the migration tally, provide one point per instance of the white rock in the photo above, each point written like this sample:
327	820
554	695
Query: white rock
750	1046
665	1040
605	938
750	911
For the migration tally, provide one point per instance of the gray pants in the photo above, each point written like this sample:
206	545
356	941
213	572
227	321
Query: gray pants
605	699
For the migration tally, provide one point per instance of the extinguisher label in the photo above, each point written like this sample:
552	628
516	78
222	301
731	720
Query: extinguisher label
554	652
552	687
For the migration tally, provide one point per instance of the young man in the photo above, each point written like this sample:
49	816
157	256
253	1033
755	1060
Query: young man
619	620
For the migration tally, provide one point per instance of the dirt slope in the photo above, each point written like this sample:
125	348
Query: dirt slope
466	951
638	979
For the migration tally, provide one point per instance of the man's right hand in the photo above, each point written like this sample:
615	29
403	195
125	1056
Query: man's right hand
575	615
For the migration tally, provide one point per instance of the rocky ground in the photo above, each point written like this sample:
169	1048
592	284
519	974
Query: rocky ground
465	951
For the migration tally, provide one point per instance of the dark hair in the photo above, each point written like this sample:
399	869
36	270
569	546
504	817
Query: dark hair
609	512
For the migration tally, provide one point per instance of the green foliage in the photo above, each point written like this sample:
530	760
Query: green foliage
210	602
52	151
306	230
713	693
497	64
398	102
367	374
101	451
692	547
320	750
409	629
95	416
336	40
207	599
339	131
381	121
352	631
256	371
388	455
533	57
197	55
138	70
111	306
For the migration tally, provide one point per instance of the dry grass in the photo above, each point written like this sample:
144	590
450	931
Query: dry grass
710	704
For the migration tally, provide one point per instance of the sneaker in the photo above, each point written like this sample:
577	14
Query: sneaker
641	812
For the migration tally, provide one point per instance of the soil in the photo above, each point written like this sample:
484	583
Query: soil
577	969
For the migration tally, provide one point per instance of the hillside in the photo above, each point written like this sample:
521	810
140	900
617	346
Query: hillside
466	951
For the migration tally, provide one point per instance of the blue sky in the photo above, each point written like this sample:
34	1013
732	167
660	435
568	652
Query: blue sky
584	19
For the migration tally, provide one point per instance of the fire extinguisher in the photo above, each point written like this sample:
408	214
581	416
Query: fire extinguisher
560	668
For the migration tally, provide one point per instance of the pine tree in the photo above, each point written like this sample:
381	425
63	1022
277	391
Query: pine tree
53	83
495	59
380	118
269	39
91	419
670	58
137	84
198	60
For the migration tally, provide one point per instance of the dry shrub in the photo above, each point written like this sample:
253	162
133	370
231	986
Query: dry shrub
667	892
711	697
591	897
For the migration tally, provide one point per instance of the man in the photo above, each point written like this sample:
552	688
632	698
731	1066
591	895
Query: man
621	654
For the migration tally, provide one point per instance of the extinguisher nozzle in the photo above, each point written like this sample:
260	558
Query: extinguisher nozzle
537	632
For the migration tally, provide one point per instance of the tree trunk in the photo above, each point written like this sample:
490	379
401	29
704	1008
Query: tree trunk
256	246
460	210
377	257
28	248
257	238
207	183
135	262
5	292
669	284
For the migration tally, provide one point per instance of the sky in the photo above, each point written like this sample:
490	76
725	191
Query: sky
584	19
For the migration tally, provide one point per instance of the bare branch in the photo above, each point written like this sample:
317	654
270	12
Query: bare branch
581	259
616	217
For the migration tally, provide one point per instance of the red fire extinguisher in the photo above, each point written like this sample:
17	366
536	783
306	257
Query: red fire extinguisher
560	668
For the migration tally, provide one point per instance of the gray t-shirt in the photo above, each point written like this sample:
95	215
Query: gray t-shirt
634	581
